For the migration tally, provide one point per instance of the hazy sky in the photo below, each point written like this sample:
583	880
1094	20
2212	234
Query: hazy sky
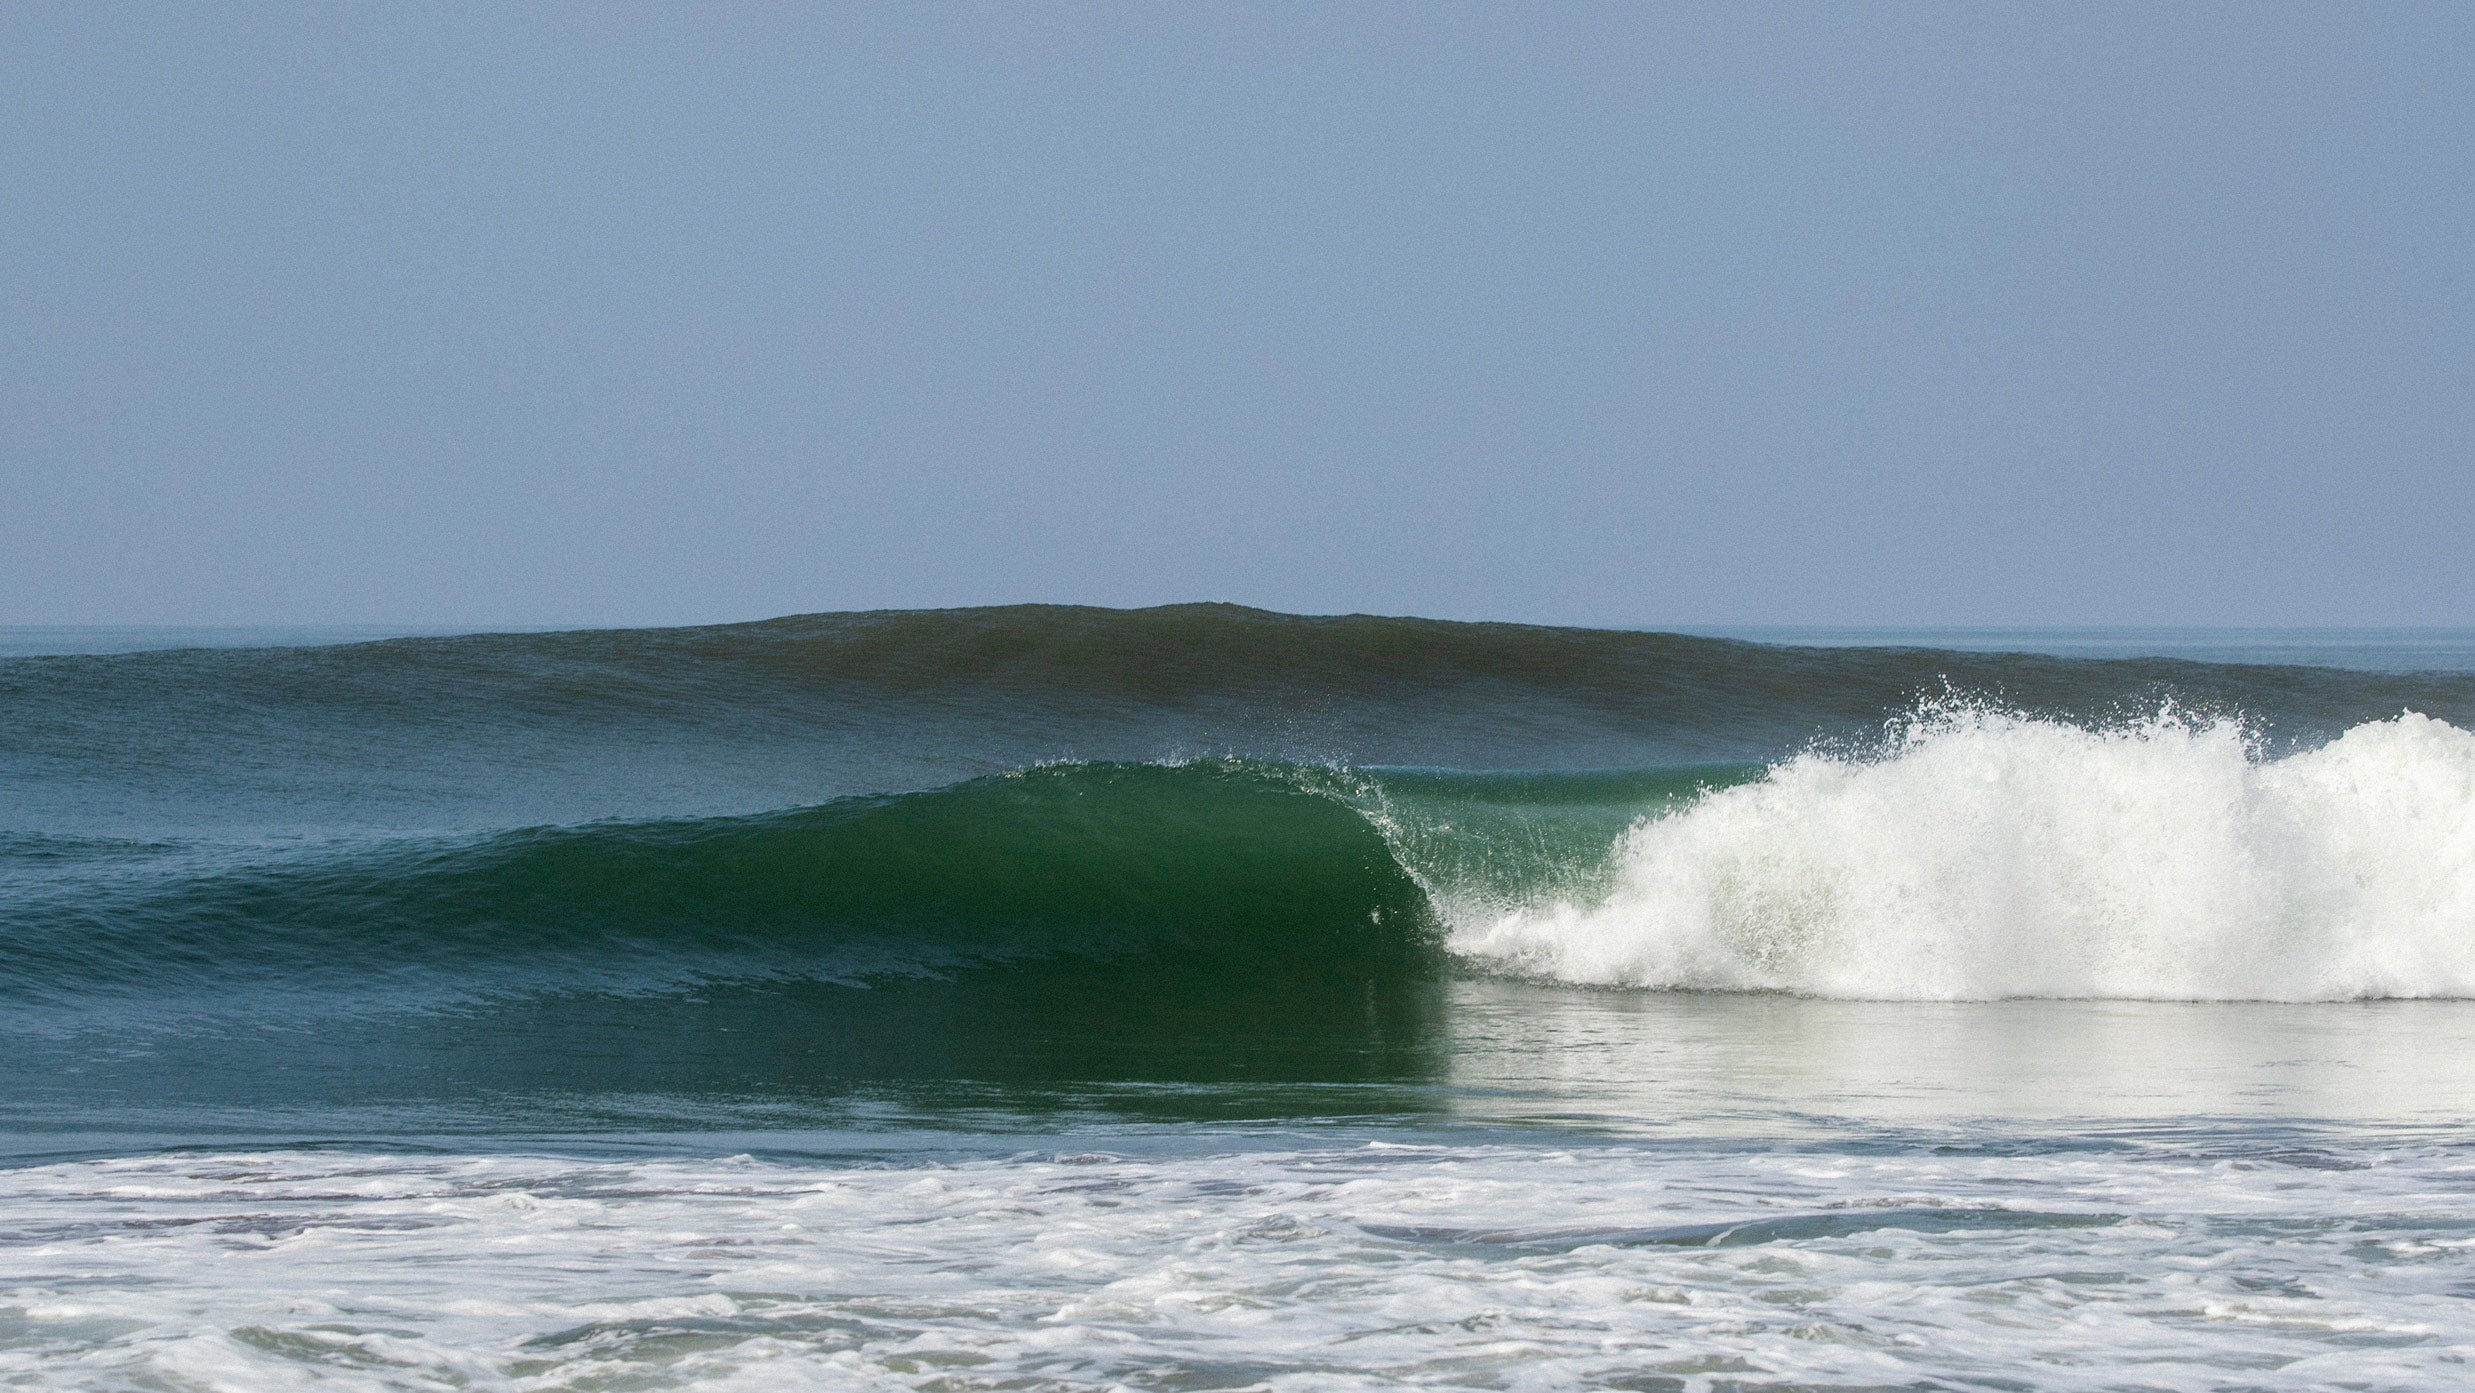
1862	314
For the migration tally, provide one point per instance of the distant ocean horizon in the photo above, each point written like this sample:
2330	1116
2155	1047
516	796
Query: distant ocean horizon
1206	997
2371	648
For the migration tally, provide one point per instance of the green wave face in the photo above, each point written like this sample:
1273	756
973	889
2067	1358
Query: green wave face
1208	864
1488	843
1217	919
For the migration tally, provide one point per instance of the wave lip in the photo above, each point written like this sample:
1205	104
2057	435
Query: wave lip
1983	854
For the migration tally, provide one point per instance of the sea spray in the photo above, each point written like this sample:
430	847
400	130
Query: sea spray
1985	854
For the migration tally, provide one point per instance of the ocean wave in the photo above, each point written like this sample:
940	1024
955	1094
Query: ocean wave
1970	852
485	732
1220	865
1980	853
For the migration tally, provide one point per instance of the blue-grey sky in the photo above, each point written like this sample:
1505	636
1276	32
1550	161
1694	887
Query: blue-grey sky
1641	314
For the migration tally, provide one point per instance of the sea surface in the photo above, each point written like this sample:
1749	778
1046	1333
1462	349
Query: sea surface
1206	998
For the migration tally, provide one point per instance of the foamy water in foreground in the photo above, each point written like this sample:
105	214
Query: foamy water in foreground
1615	1189
1364	1265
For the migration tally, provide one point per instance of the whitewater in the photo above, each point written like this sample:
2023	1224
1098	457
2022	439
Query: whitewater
1203	998
1984	854
1379	1264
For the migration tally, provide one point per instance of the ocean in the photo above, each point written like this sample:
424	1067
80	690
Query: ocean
1206	998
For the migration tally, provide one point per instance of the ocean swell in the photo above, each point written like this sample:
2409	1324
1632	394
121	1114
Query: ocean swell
486	732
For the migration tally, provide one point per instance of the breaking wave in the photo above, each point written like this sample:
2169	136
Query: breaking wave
1984	854
1971	853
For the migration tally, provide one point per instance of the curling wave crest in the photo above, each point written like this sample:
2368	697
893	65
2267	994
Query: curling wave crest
1982	854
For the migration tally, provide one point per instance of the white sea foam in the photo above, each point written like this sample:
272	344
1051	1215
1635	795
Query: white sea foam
1348	1267
1984	854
